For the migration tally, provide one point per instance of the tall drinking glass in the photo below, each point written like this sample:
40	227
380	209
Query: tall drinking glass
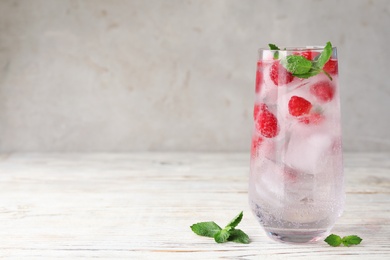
296	188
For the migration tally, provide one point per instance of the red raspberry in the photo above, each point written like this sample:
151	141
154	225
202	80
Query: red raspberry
258	108
266	122
259	76
323	91
256	142
298	106
290	174
331	66
279	75
312	119
256	111
310	55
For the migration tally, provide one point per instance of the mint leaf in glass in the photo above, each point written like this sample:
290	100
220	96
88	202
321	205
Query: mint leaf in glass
325	55
308	74
296	64
301	67
275	48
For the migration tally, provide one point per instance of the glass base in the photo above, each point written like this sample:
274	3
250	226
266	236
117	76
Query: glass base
297	236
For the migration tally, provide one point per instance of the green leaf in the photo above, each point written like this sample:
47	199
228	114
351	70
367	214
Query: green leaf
222	236
327	74
235	221
309	74
229	233
238	236
301	67
333	240
275	48
324	56
207	229
296	64
351	240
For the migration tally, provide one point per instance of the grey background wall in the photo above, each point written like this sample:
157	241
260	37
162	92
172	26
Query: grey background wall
175	75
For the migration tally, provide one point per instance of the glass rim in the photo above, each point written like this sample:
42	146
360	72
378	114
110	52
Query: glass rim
297	49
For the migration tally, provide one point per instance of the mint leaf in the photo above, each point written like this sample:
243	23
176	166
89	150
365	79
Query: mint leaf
238	236
222	236
320	61
301	67
229	233
275	48
207	229
327	74
296	64
351	240
309	74
333	240
235	221
325	55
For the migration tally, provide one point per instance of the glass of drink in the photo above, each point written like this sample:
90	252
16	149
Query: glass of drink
296	188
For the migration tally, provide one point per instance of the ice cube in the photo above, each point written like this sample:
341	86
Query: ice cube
269	92
269	181
305	151
302	188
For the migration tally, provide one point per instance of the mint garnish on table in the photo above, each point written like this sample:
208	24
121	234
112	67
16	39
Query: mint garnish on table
335	240
229	233
301	67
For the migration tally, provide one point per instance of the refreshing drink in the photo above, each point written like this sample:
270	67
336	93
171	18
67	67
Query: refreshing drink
296	176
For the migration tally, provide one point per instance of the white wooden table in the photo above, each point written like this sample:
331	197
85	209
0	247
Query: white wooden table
140	206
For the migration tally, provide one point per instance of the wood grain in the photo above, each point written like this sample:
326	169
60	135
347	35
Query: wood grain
140	206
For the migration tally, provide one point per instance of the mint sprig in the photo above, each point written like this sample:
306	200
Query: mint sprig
229	233
351	240
335	240
297	65
235	221
275	48
238	236
222	236
303	68
206	229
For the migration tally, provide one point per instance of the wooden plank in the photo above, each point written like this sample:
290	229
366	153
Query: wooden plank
140	206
